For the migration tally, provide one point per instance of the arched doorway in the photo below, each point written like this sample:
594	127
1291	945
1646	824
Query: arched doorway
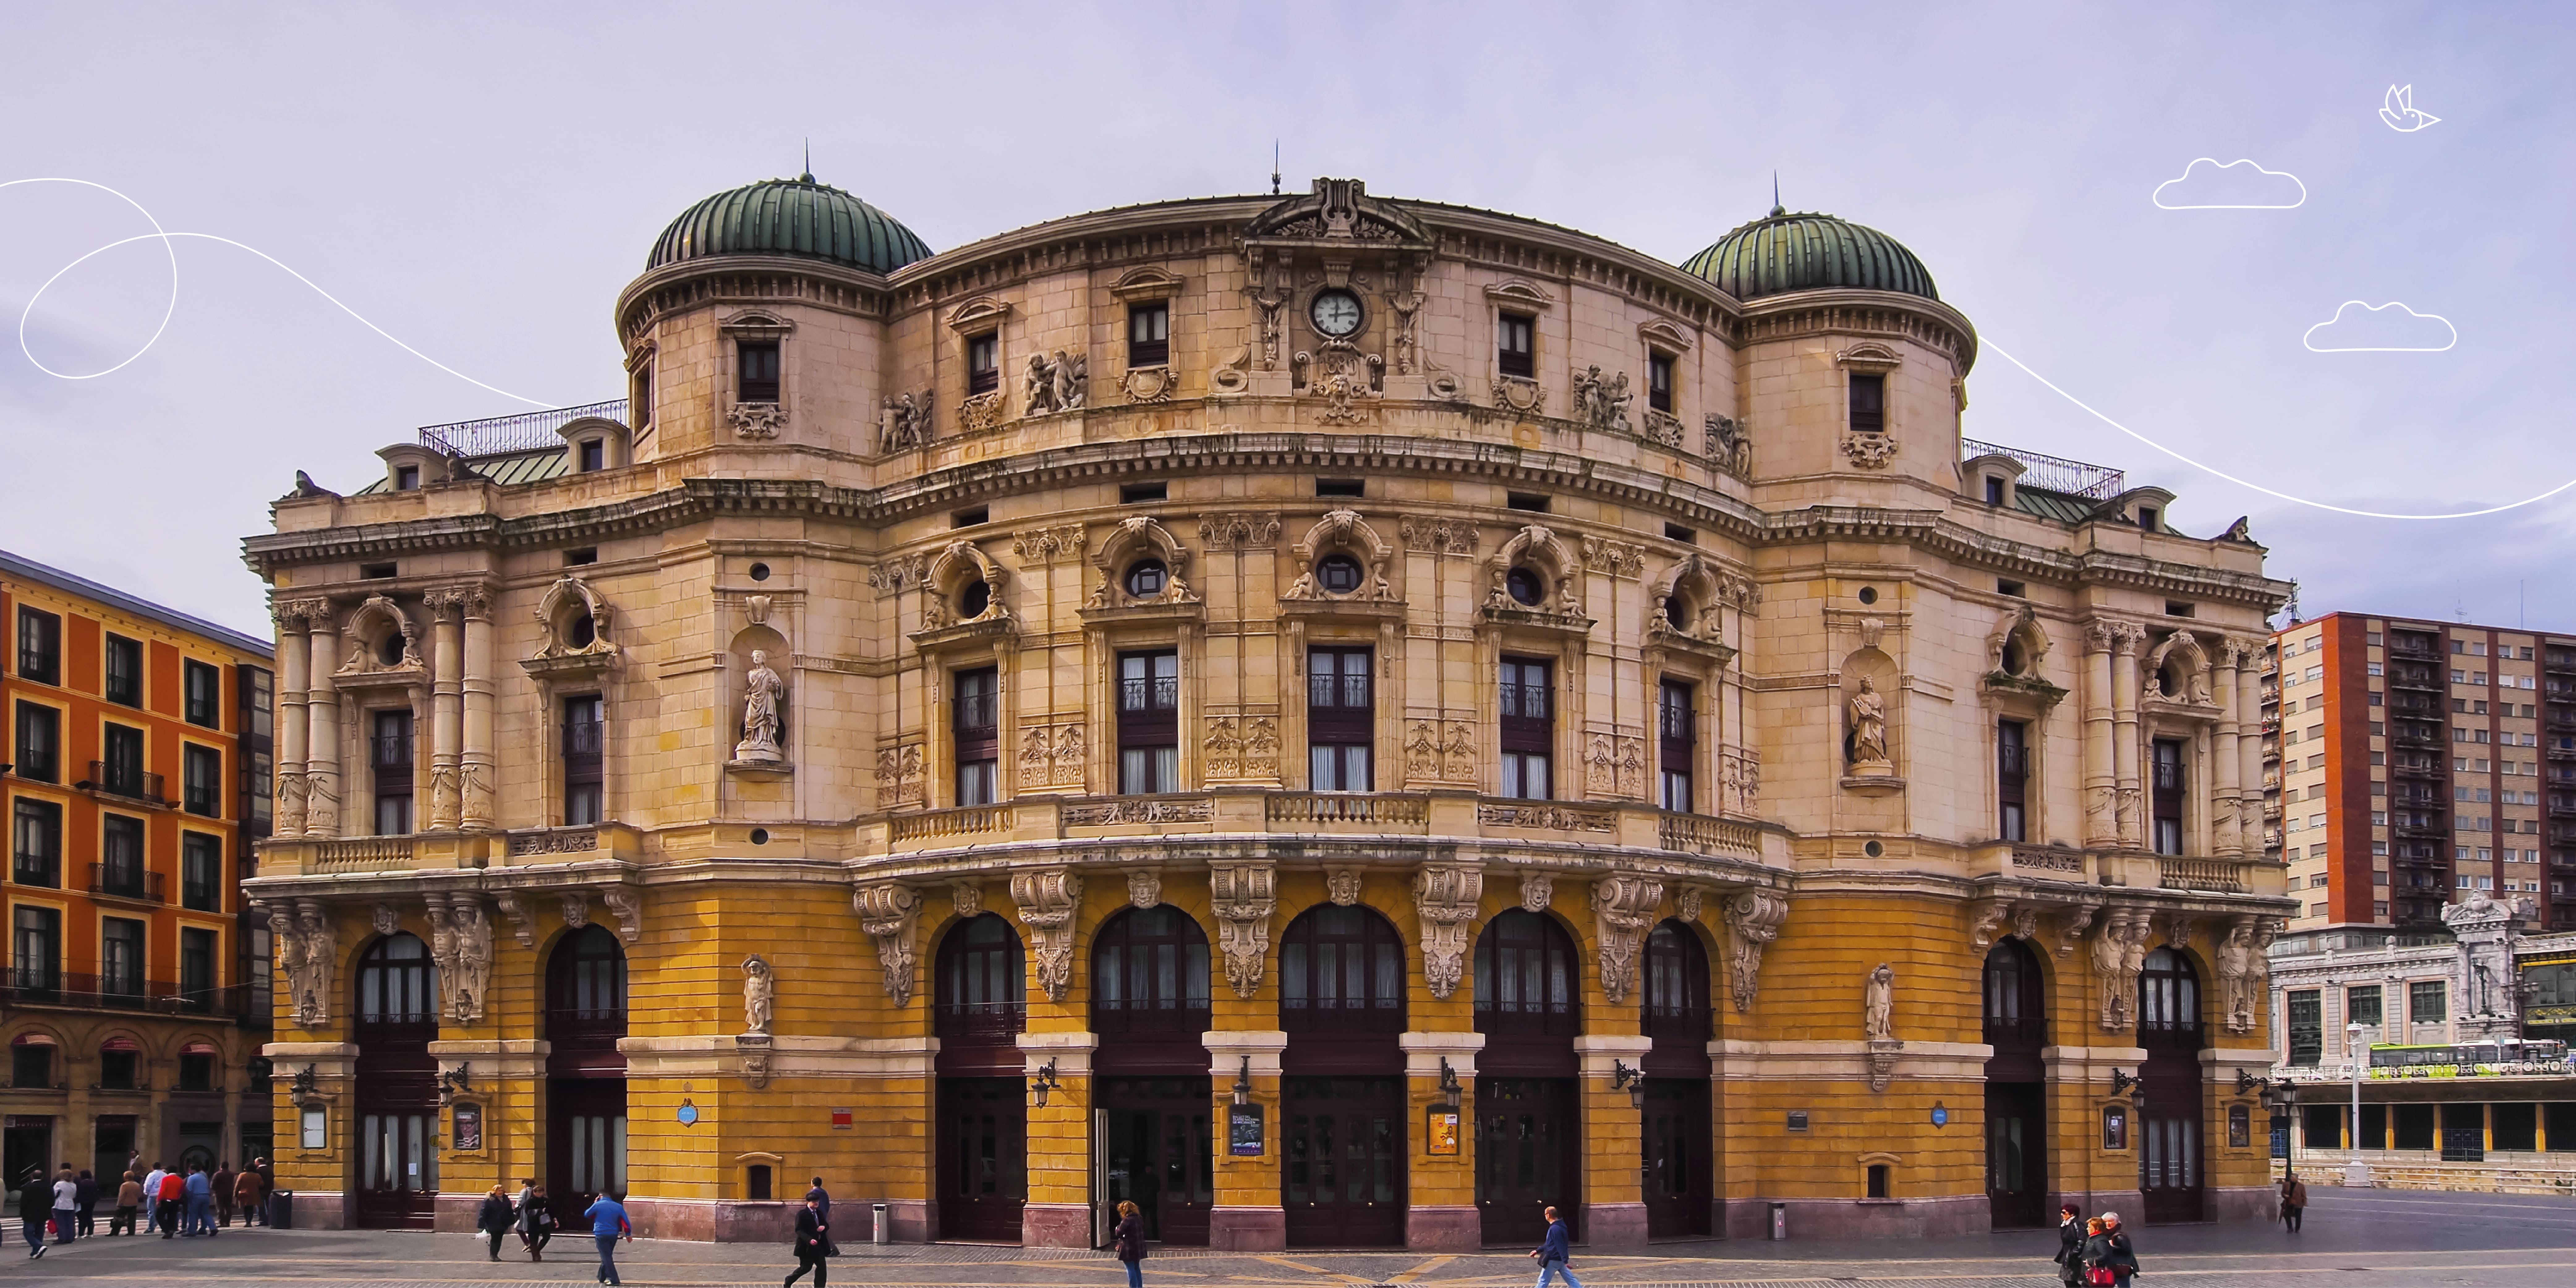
585	1072
2169	1088
1150	1103
397	1094
1679	1175
1528	1132
1342	1102
980	1007
2016	1010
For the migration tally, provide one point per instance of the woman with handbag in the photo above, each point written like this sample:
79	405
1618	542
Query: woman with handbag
1129	1240
2108	1258
2070	1245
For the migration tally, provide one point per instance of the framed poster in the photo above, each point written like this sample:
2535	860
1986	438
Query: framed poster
1439	1129
2240	1126
469	1127
2115	1127
1243	1134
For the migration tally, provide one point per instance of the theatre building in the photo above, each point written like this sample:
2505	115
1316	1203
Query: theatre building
1343	720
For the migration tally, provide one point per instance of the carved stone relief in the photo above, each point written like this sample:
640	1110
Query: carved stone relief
1245	747
1537	890
1450	537
1869	451
1244	895
1615	767
1600	403
1433	755
1051	756
756	422
1753	919
899	775
1445	897
905	424
1060	383
1046	901
1728	443
759	995
1342	886
888	912
1144	888
1623	907
966	898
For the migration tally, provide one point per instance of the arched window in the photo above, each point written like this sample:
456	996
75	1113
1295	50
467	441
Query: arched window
2016	1007
397	989
1149	973
1676	985
981	995
586	984
2168	997
1525	978
1341	969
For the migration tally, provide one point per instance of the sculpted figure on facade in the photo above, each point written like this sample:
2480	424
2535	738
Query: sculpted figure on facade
1244	896
1622	908
1866	745
1600	403
888	912
1878	1004
1047	900
759	995
1753	919
2242	974
473	930
1061	383
762	691
1444	897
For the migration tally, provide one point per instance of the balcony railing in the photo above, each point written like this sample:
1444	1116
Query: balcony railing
2200	874
1334	1015
984	1021
1705	835
525	432
1353	808
91	990
125	881
973	820
1525	1019
1139	1019
2055	473
119	778
581	738
2408	648
389	751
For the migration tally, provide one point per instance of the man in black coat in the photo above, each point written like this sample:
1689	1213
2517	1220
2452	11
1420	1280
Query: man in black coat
813	1244
495	1218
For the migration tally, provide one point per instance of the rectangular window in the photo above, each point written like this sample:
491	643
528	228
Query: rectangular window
2361	1005
201	780
584	756
31	1066
1659	382
40	646
196	970
2428	1001
389	755
2307	1028
116	1069
1528	728
976	724
202	689
1868	403
121	772
983	363
2168	795
120	869
36	843
1341	719
201	872
1994	490
1515	347
756	371
36	948
1149	735
120	957
1149	334
594	455
38	752
1676	744
2012	780
124	671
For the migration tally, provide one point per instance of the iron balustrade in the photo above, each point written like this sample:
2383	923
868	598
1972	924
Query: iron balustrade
124	881
525	432
1333	1014
581	738
389	751
1149	1017
46	987
2014	762
987	1020
126	779
1524	701
1677	1023
1525	1019
1158	693
2055	473
977	713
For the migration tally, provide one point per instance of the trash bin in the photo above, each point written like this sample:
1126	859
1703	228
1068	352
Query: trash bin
281	1209
1779	1222
877	1213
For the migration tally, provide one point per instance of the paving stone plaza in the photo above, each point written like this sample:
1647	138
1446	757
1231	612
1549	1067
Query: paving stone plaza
2358	1239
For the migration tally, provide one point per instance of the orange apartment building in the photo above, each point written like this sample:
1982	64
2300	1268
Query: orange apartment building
136	782
2409	762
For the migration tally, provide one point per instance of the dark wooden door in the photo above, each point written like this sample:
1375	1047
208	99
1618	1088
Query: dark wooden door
397	1163
585	1141
2016	1155
1342	1143
983	1152
2169	1089
1159	1152
1526	1136
397	1099
1677	1167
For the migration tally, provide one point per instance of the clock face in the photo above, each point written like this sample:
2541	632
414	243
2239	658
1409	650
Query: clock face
1336	313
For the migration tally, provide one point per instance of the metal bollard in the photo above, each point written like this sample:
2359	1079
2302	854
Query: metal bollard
1779	1222
878	1212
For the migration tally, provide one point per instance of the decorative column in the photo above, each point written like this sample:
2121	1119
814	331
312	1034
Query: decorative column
2101	826
2226	804
2127	637
2249	743
322	738
476	773
446	694
294	675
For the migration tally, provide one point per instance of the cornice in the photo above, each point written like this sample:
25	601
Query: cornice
870	295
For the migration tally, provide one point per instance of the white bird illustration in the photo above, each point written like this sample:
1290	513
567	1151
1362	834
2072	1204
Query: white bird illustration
2399	111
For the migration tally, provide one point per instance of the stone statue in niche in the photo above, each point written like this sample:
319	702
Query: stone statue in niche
1879	1003
761	689
759	995
1600	403
1865	744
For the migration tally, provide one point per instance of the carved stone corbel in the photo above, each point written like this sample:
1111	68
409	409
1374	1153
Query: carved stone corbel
1047	900
627	903
1144	888
523	919
753	1050
1244	895
2025	919
1538	889
1882	1062
1445	897
1753	919
576	909
1689	903
1622	908
1985	917
888	912
2072	933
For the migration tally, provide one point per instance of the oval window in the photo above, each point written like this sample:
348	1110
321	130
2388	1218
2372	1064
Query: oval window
390	653
1677	612
972	601
583	631
1146	578
1339	574
1525	587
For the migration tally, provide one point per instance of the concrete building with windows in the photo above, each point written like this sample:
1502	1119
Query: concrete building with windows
136	784
2408	764
1343	720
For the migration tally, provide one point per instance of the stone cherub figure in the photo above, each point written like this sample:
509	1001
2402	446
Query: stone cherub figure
1867	712
761	688
759	995
1879	1003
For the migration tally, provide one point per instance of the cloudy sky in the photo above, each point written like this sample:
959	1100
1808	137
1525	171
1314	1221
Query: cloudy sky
480	183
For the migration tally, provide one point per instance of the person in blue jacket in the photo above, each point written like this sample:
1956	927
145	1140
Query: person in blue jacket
607	1222
1553	1254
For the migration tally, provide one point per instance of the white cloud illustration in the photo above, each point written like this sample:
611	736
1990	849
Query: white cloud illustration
2237	185
2380	328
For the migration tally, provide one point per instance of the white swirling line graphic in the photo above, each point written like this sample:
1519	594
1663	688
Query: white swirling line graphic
166	237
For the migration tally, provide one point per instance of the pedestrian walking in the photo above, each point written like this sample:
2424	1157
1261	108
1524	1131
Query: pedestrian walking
129	1199
2070	1245
536	1221
222	1184
35	1200
66	1205
152	1197
495	1218
1555	1256
813	1242
2294	1201
174	1191
85	1197
250	1190
2108	1255
823	1201
607	1222
1129	1241
201	1200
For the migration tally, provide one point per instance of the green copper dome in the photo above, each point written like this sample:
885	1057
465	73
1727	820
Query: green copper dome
794	217
1809	252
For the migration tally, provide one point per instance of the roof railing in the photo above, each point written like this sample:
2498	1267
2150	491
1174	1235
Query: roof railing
525	432
2055	473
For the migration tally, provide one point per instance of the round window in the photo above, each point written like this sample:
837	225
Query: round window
972	602
1146	578
760	572
1677	612
390	653
1339	574
1525	586
1869	594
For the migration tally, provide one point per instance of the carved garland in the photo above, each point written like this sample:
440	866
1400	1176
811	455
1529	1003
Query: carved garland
1244	896
889	912
1445	897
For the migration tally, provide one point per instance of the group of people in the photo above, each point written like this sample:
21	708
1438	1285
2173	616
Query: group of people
2093	1250
200	1200
531	1216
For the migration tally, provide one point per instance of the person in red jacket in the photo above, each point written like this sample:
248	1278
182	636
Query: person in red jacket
173	1196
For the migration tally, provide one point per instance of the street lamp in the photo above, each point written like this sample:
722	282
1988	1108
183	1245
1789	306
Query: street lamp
1043	1082
1635	1082
1243	1083
1449	1088
2356	1173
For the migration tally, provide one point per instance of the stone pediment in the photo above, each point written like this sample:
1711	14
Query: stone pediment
1338	210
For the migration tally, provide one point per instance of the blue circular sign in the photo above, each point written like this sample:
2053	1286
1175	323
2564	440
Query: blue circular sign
688	1114
1940	1116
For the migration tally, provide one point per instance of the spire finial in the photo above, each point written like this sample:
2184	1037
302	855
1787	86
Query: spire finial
808	176
1777	209
1274	167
